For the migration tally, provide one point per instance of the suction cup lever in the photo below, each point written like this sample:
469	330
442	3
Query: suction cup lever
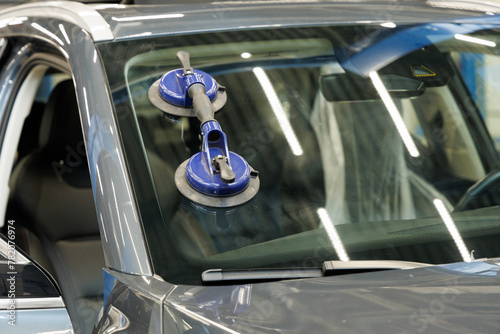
174	93
226	173
183	57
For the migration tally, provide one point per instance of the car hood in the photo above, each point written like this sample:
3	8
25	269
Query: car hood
453	298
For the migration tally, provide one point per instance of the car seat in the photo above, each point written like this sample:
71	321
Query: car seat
366	170
51	187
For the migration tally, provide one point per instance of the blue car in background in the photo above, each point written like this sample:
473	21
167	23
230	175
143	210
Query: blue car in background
250	167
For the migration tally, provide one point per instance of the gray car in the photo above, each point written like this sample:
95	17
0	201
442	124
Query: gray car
250	167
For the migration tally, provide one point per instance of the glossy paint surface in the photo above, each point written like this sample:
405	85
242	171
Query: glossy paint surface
37	306
133	22
37	321
123	243
434	299
72	12
133	303
459	297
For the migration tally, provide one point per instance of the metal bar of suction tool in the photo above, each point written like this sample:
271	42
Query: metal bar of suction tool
201	103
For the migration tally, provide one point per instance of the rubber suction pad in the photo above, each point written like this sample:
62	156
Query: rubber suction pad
169	93
214	201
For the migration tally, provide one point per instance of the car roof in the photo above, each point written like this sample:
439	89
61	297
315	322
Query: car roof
107	22
188	17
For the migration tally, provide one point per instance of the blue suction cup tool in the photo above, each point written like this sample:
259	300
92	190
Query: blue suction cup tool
171	94
214	177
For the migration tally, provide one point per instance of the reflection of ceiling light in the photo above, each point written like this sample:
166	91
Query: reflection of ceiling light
246	55
389	25
45	31
265	2
475	40
147	17
109	6
142	34
66	37
463	5
17	20
332	234
204	320
452	228
395	115
11	21
277	108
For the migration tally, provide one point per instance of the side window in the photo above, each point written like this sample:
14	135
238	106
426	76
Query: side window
50	199
25	288
480	73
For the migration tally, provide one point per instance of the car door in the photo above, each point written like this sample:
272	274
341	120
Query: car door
30	299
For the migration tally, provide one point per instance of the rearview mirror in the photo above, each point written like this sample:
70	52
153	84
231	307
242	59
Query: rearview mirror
351	87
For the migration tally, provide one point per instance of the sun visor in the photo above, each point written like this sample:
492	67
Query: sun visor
406	77
380	49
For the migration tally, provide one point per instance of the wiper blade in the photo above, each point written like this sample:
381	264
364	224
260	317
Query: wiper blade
370	265
329	268
269	274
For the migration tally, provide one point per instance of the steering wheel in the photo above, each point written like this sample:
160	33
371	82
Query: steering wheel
476	190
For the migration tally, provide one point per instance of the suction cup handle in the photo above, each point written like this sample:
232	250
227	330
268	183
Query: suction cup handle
183	57
226	173
201	103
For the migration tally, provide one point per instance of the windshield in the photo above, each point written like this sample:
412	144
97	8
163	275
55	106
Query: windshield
366	138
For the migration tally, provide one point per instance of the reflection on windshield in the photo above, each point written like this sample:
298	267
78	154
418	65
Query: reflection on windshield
363	150
275	103
452	227
395	115
333	235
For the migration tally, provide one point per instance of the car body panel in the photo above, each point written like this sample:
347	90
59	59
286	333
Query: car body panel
108	171
238	15
72	12
435	299
54	320
459	297
144	293
32	302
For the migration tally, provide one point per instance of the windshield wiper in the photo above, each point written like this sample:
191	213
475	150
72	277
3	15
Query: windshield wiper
329	268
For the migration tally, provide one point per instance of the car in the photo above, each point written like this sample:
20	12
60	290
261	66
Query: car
250	167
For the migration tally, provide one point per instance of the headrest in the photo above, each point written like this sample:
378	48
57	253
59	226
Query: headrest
61	137
53	183
61	118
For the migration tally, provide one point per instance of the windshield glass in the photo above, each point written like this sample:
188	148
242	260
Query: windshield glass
371	143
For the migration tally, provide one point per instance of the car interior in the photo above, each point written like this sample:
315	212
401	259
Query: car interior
51	199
